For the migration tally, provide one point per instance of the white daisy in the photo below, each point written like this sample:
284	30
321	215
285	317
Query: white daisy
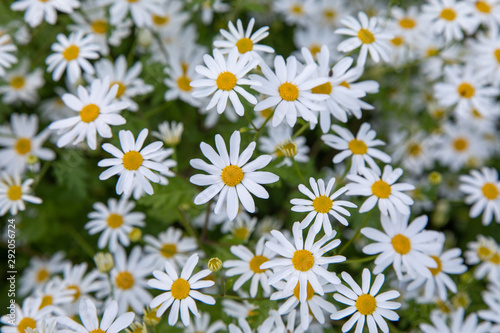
96	108
36	11
313	38
132	162
492	298
456	324
481	250
231	176
81	284
405	246
169	132
6	58
170	19
115	221
203	324
72	53
39	272
13	194
280	143
141	10
56	295
181	291
303	261
485	49
414	152
224	79
208	8
488	12
295	11
242	227
30	315
365	304
22	85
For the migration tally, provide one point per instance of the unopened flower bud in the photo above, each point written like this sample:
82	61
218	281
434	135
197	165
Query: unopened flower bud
135	234
104	261
214	264
435	178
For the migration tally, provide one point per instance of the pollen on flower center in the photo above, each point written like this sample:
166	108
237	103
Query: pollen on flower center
322	204
244	45
358	147
26	323
23	146
310	291
366	304
180	289
46	301
381	189
330	13
439	268
397	41
460	144
232	175
288	91
483	7
365	36
465	90
14	193
303	260
184	83
490	191
407	23
114	220
325	88
256	262
401	244
168	250
124	280
288	149
77	293
495	259
414	149
17	82
89	113
160	20
448	14
121	88
100	26
71	52
132	160
42	275
226	81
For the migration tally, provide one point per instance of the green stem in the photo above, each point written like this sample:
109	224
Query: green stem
298	170
80	240
262	126
358	231
299	132
341	178
250	121
42	173
359	260
207	218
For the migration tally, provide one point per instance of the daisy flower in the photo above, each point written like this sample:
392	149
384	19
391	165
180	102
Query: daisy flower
295	11
36	11
13	194
88	317
243	41
405	246
364	303
224	79
481	250
81	284
231	176
322	203
22	86
289	91
360	147
56	295
181	291
367	34
248	266
208	8
415	153
30	315
492	299
408	21
39	272
141	11
302	261
132	162
457	323
115	221
72	54
96	108
485	50
203	324
279	143
242	226
313	38
169	132
6	58
382	190
488	12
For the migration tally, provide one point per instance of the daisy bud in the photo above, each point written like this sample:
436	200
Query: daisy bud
150	317
145	37
135	235
137	328
461	300
215	264
435	178
104	261
441	213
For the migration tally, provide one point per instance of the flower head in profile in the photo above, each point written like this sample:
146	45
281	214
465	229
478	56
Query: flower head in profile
13	194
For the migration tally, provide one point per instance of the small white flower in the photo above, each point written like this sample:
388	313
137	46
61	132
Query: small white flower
13	194
30	315
141	10
22	85
39	272
280	143
36	11
169	132
456	324
6	58
492	299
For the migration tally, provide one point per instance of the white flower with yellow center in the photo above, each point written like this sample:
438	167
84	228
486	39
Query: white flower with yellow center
483	192
39	272
22	86
455	323
414	151
181	291
72	54
360	147
313	38
231	176
485	49
96	108
481	250
6	58
280	144
407	22
56	295
244	41
224	79
88	317
38	10
302	261
169	132
30	315
141	10
367	34
115	222
249	267
133	162
241	228
295	11
23	144
492	298
289	91
382	190
405	246
322	203
13	194
488	12
366	305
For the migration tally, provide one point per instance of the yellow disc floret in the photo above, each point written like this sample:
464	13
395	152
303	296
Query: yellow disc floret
226	81
401	244
366	304
132	160
256	262
180	289
124	280
303	260
381	189
232	175
89	113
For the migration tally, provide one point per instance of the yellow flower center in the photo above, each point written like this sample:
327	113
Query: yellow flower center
407	23
160	20
330	14
315	49
401	244
288	149
232	175
439	268
98	330
121	88
345	84
183	82
132	160
42	275
26	323
124	280
132	0
365	36
397	41
14	193
466	90
381	189
432	51
303	260
244	45
484	252
414	149
114	220
23	146
266	113
168	250
100	26
46	301
135	234
497	55
460	144
77	292
495	259
297	9
490	191
241	233
288	91
448	14
226	81
325	88
256	262
322	204
358	147
17	82
71	52
89	113
366	304
483	7
180	289
310	291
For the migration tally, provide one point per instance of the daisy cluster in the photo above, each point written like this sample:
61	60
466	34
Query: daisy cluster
251	166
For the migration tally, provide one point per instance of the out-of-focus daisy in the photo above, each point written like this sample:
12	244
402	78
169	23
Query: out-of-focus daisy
408	22
72	54
302	261
280	144
492	298
405	246
36	11
322	203
13	194
81	284
208	8
313	38
231	176
456	324
169	132
6	58
364	303
382	190
242	227
170	19
56	295
485	49
30	315
295	11
244	41
115	221
481	250
22	86
488	12
224	79
181	291
360	147
132	162
414	152
141	10
367	34
203	324
39	272
329	13
238	309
